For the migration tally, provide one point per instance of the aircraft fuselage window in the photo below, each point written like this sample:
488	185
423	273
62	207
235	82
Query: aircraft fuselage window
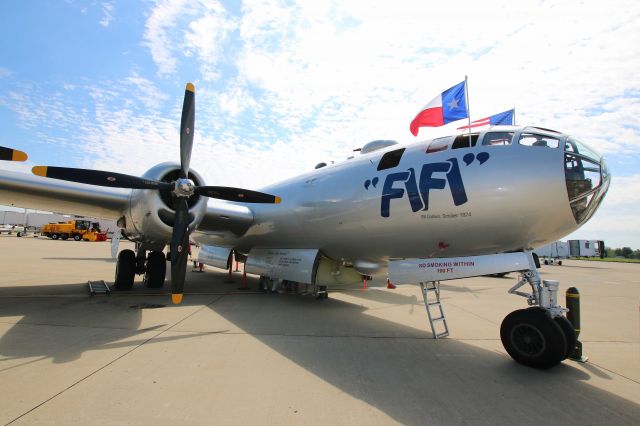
532	139
465	141
497	138
390	159
438	145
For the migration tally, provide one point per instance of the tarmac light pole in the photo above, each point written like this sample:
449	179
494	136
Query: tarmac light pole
573	304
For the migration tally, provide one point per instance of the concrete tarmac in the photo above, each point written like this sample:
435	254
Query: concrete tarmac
227	356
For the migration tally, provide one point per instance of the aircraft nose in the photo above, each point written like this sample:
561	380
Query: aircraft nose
587	178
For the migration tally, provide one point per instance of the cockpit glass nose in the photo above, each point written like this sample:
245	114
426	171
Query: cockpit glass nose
587	179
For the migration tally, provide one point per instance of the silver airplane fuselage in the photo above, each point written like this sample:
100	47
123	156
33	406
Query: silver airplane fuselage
481	199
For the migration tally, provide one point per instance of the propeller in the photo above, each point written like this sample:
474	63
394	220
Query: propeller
182	189
9	154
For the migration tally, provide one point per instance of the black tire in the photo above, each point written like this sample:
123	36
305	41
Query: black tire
156	269
19	234
125	270
77	237
54	236
64	237
532	338
569	335
560	263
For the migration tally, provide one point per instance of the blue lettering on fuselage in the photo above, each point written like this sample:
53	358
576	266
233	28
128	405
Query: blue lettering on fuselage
419	194
433	176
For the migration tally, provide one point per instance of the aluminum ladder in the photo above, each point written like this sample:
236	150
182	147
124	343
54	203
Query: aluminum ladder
98	287
431	296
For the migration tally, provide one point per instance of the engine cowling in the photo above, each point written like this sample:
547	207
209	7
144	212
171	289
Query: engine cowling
149	218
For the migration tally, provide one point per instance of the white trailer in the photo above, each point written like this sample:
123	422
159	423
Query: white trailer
551	254
585	248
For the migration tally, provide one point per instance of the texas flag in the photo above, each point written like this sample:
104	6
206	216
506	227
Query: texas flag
505	118
448	106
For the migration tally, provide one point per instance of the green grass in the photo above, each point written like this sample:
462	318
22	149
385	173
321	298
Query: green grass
608	259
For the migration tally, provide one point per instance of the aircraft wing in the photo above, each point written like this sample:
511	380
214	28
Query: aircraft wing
19	189
35	192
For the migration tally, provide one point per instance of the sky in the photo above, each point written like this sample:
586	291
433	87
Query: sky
284	85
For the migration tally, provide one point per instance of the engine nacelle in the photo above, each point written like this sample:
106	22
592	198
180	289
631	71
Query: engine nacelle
307	266
151	213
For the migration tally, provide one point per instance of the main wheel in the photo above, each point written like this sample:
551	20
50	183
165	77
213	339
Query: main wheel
156	269
54	236
532	338
125	270
569	335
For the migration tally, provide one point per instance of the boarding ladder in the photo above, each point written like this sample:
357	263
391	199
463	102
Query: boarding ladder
98	287
431	296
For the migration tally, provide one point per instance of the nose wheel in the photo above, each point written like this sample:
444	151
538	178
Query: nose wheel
533	338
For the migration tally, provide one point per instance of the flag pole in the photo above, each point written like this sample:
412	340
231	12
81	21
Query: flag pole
514	116
466	97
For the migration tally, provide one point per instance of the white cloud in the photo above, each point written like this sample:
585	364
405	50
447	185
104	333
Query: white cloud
107	14
177	29
161	21
552	62
206	36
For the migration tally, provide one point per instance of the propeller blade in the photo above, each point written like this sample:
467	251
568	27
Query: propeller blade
237	194
186	128
9	154
179	250
100	178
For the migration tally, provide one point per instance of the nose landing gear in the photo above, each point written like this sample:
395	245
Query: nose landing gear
540	336
533	338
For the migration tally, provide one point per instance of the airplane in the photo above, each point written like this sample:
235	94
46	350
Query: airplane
453	207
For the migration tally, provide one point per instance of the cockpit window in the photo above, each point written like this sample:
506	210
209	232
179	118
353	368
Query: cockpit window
532	139
465	141
437	145
390	159
577	147
497	138
582	175
587	179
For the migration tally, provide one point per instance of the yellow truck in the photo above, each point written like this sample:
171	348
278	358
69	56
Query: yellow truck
75	229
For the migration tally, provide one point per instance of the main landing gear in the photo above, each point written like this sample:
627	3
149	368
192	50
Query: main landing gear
130	263
540	336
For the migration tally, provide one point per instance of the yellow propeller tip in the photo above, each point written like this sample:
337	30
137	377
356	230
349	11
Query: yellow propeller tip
278	200
176	299
19	155
39	170
191	87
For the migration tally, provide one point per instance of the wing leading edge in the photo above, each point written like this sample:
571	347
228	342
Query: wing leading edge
35	192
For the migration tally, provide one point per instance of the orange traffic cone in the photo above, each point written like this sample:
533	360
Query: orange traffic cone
390	285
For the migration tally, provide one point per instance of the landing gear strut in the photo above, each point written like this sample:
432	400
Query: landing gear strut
540	336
